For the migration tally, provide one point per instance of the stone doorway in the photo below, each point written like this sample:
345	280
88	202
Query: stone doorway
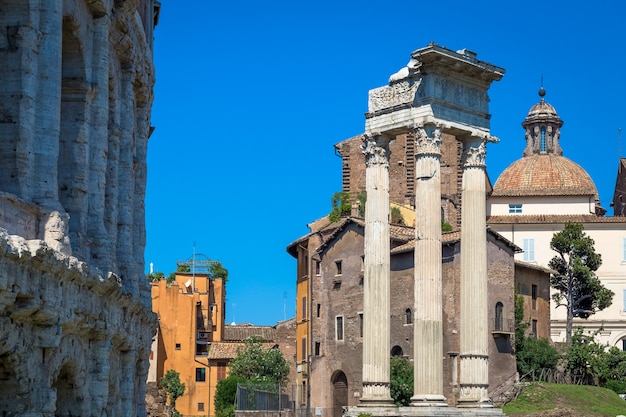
66	386
340	393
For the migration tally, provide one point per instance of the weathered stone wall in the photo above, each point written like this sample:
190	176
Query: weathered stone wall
75	96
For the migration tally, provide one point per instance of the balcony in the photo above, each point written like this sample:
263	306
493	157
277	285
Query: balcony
503	328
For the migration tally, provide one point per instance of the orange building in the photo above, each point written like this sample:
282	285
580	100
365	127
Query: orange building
194	340
191	313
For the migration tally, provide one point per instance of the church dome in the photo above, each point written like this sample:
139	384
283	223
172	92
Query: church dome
544	175
543	170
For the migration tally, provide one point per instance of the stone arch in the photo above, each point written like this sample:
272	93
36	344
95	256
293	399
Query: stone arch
9	384
339	383
66	387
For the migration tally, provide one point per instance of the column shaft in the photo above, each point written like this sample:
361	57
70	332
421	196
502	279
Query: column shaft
376	292
474	377
428	334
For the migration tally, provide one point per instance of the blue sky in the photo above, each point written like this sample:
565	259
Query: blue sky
251	97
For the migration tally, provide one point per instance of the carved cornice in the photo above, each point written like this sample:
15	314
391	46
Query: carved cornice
428	140
375	148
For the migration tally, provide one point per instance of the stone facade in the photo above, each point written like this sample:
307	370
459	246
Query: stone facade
76	89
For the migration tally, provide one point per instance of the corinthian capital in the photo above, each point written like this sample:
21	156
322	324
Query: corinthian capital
428	139
476	152
375	148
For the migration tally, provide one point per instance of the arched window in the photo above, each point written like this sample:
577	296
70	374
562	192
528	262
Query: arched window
499	316
409	316
542	139
396	351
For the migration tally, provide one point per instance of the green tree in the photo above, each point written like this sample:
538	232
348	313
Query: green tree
401	381
170	382
340	206
535	355
577	287
362	199
155	276
259	364
396	216
520	324
217	270
224	400
584	357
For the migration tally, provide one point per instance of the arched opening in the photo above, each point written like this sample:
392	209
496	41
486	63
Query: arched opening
340	392
396	351
499	319
8	386
408	316
67	404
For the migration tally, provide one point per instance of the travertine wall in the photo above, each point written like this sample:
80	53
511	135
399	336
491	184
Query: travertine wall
76	83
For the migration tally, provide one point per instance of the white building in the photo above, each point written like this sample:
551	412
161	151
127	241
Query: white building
537	195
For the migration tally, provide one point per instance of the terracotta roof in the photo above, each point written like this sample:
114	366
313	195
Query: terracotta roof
454	237
240	333
544	175
536	267
228	350
554	218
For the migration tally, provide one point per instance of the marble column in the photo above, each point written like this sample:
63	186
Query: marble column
474	349
428	330
376	293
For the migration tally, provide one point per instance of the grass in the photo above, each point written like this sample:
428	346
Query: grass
543	399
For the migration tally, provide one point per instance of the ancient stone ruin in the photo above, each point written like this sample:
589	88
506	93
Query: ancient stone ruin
76	89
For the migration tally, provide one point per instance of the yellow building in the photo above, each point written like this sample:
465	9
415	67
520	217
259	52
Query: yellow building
191	313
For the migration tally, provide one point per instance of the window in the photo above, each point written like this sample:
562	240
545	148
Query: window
317	267
624	344
542	139
317	348
200	374
515	209
303	316
499	316
362	263
529	250
177	346
303	394
624	308
534	297
303	349
319	310
360	324
200	406
397	351
221	370
409	316
339	328
624	249
534	328
338	265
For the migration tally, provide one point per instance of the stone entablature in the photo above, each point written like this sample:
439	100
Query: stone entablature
436	86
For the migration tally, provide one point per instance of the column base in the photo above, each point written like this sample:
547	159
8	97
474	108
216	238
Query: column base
428	400
472	403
